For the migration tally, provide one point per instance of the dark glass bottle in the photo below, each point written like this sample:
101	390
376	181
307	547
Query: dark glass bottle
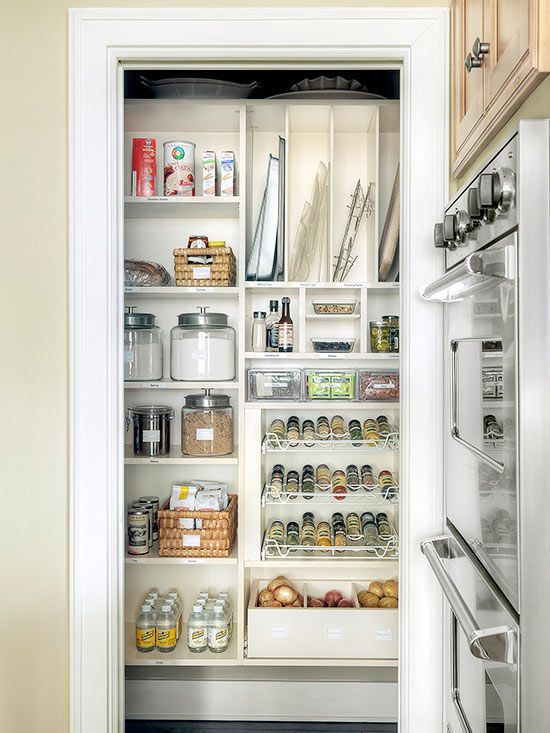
286	328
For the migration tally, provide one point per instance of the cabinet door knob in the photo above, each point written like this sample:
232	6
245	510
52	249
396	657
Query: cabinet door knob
480	49
471	62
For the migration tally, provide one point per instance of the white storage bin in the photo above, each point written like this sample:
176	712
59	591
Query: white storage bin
321	633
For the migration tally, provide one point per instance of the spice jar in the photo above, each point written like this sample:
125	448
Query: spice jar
292	486
308	433
355	432
276	482
202	346
367	478
370	431
277	429
338	427
323	535
339	484
151	429
383	425
292	534
352	478
323	428
384	528
293	431
276	532
308	482
322	477
142	347
207	425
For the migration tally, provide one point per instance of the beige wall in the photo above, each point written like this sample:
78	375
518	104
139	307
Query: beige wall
34	680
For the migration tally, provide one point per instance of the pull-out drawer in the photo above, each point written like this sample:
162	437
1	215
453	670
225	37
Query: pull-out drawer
322	633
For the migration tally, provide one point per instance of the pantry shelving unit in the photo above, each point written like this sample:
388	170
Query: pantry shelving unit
355	140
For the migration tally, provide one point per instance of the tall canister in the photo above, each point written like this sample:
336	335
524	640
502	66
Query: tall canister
179	168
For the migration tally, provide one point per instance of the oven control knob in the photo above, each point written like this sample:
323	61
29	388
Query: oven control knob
439	239
474	211
456	228
496	190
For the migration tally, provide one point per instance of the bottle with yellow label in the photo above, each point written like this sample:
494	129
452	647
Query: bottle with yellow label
146	629
197	629
166	629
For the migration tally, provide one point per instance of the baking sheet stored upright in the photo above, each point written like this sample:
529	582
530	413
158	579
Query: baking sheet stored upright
215	537
217	269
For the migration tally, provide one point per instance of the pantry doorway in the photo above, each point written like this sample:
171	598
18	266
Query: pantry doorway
104	43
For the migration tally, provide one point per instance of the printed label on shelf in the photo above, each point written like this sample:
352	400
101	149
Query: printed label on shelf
279	632
205	434
192	540
201	273
382	635
334	633
151	436
195	560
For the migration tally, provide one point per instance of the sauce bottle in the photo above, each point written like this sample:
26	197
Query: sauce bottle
286	328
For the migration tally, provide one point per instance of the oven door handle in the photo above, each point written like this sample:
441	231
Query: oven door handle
496	644
478	272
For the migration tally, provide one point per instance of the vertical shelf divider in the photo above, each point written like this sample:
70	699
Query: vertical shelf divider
287	248
330	217
302	305
364	320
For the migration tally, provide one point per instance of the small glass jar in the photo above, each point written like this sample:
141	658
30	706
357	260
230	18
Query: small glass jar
142	347
393	322
202	346
380	337
207	425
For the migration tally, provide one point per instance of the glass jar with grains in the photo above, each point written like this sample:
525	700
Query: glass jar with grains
207	425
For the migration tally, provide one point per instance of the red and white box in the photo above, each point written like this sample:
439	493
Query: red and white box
144	166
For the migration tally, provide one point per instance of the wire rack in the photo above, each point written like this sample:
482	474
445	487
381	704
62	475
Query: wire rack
272	443
388	548
358	494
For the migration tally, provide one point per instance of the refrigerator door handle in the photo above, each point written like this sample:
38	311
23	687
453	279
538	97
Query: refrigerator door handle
497	644
478	272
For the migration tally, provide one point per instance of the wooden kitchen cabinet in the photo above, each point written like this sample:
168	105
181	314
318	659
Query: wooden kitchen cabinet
502	73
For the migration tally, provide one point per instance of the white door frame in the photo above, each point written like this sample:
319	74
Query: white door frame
100	39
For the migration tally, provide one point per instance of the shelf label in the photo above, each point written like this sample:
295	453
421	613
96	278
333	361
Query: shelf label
334	634
153	460
159	661
195	561
154	384
279	632
263	285
136	560
382	635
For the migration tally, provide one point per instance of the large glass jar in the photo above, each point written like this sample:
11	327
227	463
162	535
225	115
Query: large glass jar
142	347
202	346
207	425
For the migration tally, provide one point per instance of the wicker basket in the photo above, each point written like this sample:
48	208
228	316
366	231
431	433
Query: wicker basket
221	272
215	538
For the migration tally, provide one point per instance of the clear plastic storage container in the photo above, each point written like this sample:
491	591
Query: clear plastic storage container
142	347
207	425
338	307
378	385
202	346
269	384
330	345
330	385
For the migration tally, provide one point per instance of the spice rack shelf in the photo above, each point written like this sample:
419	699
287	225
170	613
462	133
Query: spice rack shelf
169	384
388	548
176	458
375	497
152	558
273	444
180	657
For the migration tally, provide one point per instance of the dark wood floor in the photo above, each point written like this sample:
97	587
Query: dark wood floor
153	726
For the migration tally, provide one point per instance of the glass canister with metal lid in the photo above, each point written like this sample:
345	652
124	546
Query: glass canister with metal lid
142	347
151	429
207	425
202	346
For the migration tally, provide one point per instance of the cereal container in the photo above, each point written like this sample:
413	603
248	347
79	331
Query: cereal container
179	168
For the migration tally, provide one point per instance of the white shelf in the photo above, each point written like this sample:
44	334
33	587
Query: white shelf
295	355
169	384
321	405
172	207
180	657
152	558
175	292
268	662
175	458
322	285
333	317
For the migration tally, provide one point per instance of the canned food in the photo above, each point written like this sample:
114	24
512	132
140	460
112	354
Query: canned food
147	506
154	500
179	168
138	532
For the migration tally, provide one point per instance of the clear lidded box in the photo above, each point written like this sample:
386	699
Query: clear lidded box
275	384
